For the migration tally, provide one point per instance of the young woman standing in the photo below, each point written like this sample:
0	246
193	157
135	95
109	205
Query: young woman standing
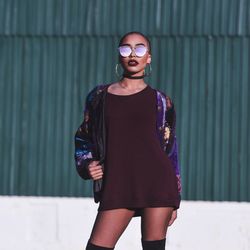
138	174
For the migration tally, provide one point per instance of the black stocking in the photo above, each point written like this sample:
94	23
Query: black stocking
154	225
108	227
154	244
91	246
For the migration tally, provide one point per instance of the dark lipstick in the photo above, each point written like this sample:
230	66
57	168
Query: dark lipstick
132	63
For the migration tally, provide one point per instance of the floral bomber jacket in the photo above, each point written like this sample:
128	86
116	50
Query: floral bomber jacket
90	136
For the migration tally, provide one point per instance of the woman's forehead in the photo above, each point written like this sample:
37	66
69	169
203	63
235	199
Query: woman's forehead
134	39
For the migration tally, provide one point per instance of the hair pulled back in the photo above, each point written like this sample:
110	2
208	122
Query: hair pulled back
137	33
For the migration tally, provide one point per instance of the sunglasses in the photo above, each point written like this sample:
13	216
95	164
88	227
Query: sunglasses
126	50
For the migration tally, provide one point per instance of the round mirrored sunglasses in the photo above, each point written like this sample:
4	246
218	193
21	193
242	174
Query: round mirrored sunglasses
126	50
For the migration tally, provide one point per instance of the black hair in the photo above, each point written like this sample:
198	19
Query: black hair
138	33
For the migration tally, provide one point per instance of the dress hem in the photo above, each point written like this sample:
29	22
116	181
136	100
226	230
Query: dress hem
170	203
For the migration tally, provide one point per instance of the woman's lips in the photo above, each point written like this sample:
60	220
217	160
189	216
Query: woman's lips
132	63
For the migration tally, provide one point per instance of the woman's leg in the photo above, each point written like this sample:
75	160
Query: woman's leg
154	225
109	226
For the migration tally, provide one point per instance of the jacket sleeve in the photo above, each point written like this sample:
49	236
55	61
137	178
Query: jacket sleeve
84	146
171	140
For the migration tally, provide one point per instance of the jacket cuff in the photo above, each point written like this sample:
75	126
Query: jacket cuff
83	170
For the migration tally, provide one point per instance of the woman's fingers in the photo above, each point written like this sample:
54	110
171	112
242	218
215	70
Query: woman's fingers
93	163
173	217
95	167
95	170
97	175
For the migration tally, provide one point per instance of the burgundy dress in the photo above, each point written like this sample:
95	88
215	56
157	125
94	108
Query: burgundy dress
137	172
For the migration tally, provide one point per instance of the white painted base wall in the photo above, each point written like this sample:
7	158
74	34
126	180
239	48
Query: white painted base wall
48	223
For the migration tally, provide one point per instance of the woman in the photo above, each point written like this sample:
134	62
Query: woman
127	146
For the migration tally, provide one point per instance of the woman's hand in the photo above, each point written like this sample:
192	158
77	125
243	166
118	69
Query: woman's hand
95	170
173	217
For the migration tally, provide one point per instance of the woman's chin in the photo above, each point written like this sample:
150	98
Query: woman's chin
133	72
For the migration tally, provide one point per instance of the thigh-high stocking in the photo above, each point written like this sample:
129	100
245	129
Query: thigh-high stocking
109	226
154	225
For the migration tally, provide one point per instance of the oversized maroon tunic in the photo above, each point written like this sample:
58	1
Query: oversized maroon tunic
137	172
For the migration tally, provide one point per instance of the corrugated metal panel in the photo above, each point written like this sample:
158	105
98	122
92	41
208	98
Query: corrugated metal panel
112	17
44	80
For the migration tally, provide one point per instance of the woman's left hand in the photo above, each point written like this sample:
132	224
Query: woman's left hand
173	217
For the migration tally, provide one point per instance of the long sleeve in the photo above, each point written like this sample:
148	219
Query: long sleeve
171	140
84	146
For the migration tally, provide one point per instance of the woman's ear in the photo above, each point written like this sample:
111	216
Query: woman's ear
149	59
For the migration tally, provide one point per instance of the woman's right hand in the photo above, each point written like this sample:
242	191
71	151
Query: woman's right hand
95	170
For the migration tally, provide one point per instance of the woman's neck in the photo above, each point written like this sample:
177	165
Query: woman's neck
132	84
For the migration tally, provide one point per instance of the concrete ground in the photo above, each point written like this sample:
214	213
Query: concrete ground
48	223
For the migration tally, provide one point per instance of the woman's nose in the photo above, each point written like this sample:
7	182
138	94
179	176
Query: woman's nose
132	54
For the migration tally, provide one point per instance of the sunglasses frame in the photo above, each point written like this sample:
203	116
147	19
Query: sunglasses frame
132	50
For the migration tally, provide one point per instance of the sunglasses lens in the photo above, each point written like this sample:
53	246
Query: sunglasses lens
125	51
140	50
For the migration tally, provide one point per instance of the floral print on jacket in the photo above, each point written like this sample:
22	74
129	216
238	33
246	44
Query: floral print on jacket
86	141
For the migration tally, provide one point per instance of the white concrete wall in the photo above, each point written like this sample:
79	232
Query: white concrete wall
38	223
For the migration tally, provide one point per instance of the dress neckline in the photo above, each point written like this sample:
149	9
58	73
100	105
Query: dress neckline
129	94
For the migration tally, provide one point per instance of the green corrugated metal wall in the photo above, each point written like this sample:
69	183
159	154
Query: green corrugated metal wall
53	52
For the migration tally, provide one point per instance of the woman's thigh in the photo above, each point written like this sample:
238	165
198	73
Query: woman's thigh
109	226
154	222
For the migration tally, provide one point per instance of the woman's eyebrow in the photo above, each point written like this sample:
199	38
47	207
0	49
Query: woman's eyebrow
135	45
